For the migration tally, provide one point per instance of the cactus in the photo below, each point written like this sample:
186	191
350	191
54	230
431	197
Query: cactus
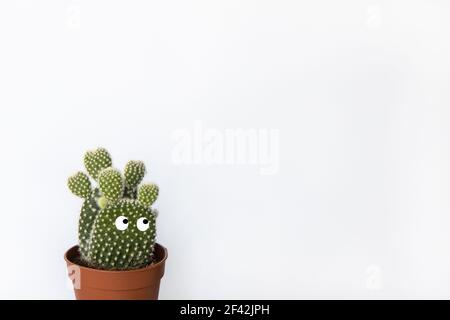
148	193
116	229
80	185
97	160
111	184
89	212
134	173
123	236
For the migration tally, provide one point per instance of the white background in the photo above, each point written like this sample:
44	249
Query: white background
359	91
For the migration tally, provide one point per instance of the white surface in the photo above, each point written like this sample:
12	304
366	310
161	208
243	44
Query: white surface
357	90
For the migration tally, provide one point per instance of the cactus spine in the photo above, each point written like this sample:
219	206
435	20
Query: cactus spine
117	226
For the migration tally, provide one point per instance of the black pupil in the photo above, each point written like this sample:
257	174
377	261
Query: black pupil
145	221
125	221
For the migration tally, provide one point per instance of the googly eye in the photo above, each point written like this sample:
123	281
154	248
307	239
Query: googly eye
121	223
143	224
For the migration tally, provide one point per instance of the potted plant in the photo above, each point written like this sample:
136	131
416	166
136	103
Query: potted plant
117	256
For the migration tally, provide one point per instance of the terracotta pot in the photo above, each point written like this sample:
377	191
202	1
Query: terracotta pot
93	284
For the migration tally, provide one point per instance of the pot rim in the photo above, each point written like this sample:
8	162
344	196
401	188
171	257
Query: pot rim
147	268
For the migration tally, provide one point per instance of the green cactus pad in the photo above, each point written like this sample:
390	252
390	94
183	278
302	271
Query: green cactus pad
123	236
89	212
111	184
147	194
80	185
134	173
97	160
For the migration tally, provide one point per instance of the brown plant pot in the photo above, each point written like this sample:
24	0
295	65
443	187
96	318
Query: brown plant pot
94	284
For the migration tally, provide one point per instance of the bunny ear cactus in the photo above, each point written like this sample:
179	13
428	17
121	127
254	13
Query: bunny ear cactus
80	185
97	160
148	193
123	236
89	212
117	226
111	184
134	173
